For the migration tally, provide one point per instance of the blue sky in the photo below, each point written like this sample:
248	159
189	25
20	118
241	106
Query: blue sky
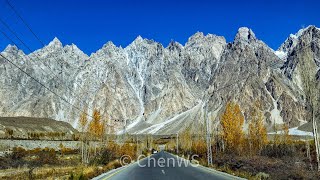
90	24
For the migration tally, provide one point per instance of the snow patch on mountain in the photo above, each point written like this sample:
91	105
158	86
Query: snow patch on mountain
276	118
282	55
182	116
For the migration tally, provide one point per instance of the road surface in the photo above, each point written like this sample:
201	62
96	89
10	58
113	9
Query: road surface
164	166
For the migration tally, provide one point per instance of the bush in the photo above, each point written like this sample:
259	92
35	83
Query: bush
18	153
277	151
47	156
106	157
68	151
199	148
262	175
128	149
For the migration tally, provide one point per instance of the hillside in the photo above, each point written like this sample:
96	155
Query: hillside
23	127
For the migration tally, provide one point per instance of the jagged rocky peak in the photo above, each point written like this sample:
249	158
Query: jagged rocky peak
141	41
107	48
109	45
205	45
246	42
304	31
11	49
174	45
55	43
72	47
196	37
199	38
293	39
145	81
245	34
144	47
311	33
73	50
298	48
138	39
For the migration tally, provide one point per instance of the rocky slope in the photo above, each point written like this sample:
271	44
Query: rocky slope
148	88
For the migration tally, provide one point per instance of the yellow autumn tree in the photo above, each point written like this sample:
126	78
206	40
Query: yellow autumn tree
287	138
232	122
257	132
83	120
96	126
185	138
103	129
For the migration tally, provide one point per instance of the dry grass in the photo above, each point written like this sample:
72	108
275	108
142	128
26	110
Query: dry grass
64	164
57	172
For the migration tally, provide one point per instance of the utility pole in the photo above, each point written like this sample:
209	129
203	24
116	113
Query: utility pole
177	143
137	144
124	131
209	149
316	140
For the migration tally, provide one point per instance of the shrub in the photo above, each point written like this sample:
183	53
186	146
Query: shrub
106	156
18	153
280	150
47	156
199	148
262	175
128	149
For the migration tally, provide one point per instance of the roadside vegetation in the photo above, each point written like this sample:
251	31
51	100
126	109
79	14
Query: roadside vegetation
252	154
97	153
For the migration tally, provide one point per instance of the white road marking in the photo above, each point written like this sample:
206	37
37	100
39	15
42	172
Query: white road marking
163	172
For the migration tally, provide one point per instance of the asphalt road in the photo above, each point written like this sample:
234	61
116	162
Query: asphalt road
163	166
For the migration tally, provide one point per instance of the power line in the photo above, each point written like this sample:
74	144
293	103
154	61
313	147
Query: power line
35	35
15	34
36	80
72	92
37	56
7	37
38	37
24	22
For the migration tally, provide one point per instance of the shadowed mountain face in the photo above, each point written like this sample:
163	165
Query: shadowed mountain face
148	88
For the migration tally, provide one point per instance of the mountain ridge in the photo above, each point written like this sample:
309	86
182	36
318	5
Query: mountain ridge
159	84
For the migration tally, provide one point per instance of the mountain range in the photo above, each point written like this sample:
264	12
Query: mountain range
148	88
